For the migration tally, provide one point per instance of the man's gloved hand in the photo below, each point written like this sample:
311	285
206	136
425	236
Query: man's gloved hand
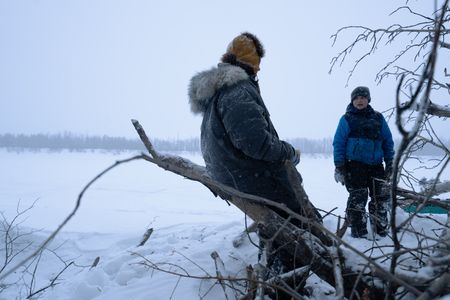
339	174
295	159
388	169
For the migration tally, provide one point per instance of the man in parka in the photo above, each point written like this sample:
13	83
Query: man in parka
238	140
239	143
361	142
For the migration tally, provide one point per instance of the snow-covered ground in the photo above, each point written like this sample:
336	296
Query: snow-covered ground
188	223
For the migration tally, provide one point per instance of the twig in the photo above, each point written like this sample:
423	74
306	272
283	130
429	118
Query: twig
337	268
146	236
175	287
144	138
251	277
298	272
193	262
341	231
52	282
259	270
95	262
238	240
222	275
10	250
155	266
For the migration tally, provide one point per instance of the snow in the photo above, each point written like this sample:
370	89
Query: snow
188	222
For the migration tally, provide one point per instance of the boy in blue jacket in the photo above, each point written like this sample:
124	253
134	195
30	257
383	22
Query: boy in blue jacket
361	142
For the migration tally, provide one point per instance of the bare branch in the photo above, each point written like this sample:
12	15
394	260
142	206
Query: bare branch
52	282
426	80
222	275
237	241
337	268
412	12
438	110
185	274
419	34
144	138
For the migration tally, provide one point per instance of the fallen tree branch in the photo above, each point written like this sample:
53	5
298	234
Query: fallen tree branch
438	110
411	197
306	248
433	109
441	188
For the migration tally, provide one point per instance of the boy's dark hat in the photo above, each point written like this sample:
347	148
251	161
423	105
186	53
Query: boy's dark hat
362	91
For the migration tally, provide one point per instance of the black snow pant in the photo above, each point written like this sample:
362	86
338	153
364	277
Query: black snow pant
361	181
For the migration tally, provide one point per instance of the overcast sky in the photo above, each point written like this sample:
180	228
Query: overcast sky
89	66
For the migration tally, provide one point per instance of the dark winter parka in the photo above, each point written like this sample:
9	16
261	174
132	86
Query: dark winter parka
238	141
364	136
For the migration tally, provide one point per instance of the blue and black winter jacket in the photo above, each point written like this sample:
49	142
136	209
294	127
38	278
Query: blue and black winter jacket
364	136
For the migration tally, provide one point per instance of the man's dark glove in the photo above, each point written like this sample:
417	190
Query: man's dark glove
295	159
388	170
339	174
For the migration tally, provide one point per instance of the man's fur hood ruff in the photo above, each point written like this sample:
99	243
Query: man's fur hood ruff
204	85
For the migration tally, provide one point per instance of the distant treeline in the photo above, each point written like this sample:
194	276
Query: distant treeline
75	142
324	146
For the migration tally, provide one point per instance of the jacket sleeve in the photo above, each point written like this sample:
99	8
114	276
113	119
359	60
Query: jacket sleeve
340	142
388	142
245	123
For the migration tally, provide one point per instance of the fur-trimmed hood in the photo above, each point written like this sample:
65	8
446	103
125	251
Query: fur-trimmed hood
204	85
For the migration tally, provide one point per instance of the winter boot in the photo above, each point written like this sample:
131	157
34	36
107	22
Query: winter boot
379	217
359	232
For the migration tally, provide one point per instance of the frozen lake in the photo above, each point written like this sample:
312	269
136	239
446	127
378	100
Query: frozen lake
131	196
